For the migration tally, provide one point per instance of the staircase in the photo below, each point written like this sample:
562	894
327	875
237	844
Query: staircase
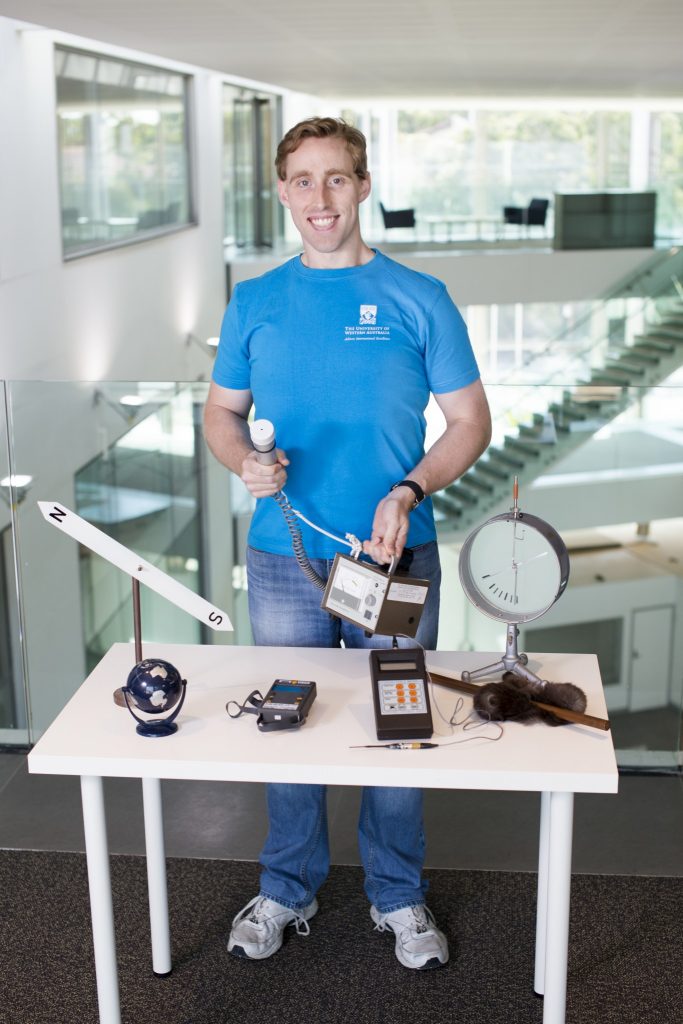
550	435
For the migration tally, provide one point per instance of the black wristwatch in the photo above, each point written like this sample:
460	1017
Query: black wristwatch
415	488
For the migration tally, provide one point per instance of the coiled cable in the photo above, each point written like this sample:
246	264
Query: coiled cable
297	541
291	515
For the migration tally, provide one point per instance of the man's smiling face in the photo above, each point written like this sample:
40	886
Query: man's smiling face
323	192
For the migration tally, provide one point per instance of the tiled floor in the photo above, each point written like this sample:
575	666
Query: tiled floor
637	832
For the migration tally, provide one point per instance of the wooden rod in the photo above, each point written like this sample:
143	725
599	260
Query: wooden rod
564	713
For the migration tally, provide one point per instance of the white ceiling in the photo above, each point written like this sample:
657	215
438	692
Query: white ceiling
400	48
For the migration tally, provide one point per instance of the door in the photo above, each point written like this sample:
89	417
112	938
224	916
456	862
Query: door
651	642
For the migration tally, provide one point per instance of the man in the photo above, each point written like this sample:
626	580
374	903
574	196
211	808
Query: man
340	348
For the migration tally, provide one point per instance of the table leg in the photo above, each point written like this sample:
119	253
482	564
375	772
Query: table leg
156	877
542	895
557	926
101	909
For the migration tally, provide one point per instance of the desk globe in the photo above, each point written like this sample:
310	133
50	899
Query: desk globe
154	686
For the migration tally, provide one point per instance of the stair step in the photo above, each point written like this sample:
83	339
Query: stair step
505	458
655	344
568	411
527	448
624	366
606	377
543	419
666	334
644	354
485	466
479	482
448	506
531	433
462	493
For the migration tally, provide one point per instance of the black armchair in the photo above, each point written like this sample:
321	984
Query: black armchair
533	215
513	214
536	213
398	218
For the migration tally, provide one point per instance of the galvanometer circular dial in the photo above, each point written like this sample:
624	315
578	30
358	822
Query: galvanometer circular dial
513	567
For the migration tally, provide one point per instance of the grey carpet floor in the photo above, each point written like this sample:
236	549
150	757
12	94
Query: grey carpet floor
625	965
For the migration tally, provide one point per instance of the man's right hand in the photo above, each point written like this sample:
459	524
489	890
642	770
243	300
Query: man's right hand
264	481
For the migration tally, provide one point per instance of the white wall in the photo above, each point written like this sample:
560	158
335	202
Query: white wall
480	278
122	314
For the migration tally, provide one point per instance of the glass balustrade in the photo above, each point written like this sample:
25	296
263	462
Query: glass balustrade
130	459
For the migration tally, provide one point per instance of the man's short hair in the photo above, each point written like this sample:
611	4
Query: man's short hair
323	128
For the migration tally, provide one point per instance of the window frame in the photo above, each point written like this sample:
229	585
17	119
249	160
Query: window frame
144	234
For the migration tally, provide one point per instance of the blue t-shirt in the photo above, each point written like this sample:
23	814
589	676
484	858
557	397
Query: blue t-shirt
342	362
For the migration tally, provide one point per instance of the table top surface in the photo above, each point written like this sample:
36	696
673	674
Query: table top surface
94	736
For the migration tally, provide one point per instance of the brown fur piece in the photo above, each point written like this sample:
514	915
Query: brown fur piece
510	700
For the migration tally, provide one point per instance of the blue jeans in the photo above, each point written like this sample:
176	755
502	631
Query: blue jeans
285	611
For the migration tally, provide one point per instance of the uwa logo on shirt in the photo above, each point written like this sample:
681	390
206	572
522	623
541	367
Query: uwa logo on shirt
366	329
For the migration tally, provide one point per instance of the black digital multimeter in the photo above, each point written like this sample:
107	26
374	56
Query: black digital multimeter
286	704
400	694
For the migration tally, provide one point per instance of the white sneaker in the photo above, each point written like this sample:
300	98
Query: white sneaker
258	929
419	943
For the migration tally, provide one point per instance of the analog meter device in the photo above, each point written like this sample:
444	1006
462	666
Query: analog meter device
513	567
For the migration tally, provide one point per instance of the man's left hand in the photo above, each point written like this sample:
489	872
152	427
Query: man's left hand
390	526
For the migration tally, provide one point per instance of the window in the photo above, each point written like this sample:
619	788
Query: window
459	166
123	151
666	176
602	638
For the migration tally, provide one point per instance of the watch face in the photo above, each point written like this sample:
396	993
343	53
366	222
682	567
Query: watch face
513	569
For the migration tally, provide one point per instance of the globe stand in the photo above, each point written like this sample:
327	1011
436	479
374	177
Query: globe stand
511	661
164	727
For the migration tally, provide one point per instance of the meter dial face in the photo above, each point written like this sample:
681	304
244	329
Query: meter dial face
514	569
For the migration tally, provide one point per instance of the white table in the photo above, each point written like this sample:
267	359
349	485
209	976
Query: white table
93	738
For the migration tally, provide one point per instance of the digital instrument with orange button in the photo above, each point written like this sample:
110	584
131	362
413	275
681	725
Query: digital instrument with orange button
400	694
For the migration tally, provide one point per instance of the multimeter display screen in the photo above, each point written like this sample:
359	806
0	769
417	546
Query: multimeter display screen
285	695
402	697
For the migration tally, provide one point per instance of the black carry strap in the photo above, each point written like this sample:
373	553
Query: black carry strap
255	698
